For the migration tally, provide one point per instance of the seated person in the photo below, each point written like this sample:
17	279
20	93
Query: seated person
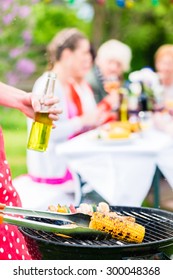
163	60
163	121
112	61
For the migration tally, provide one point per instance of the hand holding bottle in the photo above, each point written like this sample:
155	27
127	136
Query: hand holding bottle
27	103
41	127
50	103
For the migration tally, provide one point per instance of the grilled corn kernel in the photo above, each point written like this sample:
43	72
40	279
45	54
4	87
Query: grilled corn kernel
119	228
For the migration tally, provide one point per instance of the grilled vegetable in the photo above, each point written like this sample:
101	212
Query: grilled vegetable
59	208
119	228
115	215
89	209
63	209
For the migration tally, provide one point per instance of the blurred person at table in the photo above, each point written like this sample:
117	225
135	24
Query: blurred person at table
13	245
163	60
158	82
69	56
112	61
163	121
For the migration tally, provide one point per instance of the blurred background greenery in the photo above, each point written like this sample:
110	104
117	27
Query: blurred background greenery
27	27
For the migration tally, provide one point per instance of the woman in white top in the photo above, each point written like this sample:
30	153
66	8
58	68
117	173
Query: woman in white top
49	174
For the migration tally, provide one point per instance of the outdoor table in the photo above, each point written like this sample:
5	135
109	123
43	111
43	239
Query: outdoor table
121	172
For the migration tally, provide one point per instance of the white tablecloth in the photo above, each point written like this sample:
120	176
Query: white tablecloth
165	164
121	172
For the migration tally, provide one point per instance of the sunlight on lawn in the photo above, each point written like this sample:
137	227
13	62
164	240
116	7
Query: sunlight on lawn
15	146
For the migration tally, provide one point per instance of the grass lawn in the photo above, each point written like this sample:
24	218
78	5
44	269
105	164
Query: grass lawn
15	138
15	146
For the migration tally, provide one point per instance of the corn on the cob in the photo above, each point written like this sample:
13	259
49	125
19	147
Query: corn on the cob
115	215
120	229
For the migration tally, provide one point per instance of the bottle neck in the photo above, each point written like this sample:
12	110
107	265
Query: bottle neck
49	90
50	87
143	99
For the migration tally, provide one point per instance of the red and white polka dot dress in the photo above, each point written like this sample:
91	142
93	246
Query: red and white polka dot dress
13	245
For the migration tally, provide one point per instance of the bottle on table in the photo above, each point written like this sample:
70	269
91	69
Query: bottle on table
41	127
133	106
143	99
123	108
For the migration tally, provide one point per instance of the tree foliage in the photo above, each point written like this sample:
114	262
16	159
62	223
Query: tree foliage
143	27
28	26
50	19
26	30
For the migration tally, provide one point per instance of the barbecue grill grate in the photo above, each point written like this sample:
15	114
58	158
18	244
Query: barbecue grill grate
159	235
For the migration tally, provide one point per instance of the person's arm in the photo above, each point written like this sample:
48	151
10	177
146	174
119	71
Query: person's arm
9	96
27	103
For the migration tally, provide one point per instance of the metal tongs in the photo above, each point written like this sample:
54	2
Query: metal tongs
78	218
80	222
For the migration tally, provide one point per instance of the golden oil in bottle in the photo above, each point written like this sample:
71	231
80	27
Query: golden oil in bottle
123	109
123	112
40	132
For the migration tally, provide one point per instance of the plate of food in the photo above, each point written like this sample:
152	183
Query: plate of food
115	133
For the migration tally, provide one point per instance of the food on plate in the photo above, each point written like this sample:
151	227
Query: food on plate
118	132
124	124
132	125
118	129
124	228
119	228
114	133
135	125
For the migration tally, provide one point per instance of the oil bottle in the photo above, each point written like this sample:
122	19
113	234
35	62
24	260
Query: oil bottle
143	99
42	125
123	108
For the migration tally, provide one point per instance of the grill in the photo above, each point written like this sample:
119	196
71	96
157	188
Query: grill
157	244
